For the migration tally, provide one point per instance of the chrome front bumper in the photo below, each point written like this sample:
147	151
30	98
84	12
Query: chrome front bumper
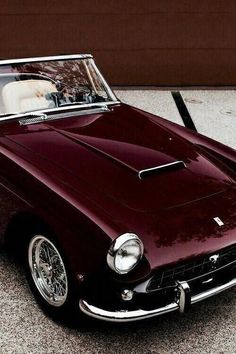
184	301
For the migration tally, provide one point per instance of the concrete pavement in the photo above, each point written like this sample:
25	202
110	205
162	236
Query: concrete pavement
213	111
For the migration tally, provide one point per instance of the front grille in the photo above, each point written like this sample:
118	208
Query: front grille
190	270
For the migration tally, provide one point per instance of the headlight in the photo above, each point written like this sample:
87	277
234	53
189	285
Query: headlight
125	253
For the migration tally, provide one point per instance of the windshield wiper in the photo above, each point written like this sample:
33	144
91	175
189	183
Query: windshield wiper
83	104
34	117
63	113
30	115
26	117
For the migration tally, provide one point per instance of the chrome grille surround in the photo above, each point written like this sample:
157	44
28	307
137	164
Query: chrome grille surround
200	267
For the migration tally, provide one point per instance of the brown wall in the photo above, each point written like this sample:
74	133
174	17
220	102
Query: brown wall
135	42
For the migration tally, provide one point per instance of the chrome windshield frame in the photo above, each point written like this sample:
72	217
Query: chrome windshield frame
59	109
109	90
45	58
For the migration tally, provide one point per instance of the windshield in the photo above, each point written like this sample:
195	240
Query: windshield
36	86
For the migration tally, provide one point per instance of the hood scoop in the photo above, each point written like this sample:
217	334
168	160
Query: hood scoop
163	168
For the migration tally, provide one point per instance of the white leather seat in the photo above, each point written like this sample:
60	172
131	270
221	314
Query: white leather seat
27	95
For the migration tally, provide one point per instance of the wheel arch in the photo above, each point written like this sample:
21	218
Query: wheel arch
77	248
21	224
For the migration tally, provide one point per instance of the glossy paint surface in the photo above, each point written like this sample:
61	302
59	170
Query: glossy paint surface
80	174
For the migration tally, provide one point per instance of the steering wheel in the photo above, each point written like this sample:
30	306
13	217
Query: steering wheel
67	94
74	88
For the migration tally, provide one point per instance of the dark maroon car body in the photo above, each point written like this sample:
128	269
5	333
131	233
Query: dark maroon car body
79	175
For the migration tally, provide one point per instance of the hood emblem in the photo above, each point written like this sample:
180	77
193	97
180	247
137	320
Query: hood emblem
218	221
214	258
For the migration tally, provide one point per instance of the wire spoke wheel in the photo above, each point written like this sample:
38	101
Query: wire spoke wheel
48	270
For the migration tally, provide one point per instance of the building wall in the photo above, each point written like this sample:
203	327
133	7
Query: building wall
135	42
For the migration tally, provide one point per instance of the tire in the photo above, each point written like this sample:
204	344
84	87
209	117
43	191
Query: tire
50	279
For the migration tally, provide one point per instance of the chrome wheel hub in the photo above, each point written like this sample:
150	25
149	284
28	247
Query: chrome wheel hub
48	270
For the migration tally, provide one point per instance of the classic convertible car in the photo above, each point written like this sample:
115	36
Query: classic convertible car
116	213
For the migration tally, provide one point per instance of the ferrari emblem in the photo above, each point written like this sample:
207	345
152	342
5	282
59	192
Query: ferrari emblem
214	258
219	221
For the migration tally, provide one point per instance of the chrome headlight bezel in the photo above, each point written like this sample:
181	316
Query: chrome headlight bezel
115	247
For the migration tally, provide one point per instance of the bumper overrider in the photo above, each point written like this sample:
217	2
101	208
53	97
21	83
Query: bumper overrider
184	299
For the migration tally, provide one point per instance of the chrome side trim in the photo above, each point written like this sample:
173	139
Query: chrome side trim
148	171
128	316
46	58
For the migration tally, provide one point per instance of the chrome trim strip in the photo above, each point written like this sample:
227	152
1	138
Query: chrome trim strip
214	291
46	58
123	316
128	316
59	110
172	164
37	118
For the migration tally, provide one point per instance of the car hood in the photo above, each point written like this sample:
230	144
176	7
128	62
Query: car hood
108	150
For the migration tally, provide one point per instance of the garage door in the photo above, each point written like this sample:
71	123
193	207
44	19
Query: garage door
164	42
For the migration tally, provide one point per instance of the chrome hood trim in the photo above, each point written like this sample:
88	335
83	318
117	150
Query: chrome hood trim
166	167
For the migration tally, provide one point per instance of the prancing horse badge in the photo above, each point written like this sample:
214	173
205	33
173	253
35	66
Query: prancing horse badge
219	221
